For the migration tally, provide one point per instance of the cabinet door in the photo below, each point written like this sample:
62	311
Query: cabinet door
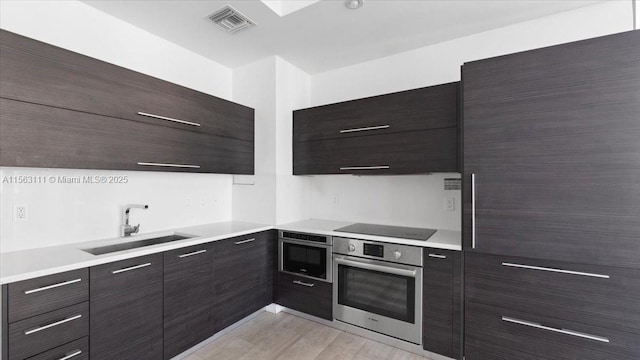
551	152
36	72
243	273
402	153
433	107
188	288
313	297
126	309
441	302
40	136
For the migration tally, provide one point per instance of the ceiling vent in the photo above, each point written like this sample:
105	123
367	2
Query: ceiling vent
231	20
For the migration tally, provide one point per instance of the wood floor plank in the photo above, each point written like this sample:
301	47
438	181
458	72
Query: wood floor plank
344	347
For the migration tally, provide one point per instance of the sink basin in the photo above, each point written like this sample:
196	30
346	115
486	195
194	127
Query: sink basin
136	244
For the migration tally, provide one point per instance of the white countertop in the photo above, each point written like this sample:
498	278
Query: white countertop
442	239
28	264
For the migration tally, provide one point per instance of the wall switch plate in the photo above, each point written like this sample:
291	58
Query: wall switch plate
20	213
449	203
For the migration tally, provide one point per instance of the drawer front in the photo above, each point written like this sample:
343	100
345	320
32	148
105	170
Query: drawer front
596	295
40	295
523	336
40	136
244	262
309	296
400	153
126	309
40	73
75	350
43	332
419	109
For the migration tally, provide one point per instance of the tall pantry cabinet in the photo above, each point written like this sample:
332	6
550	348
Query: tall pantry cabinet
551	225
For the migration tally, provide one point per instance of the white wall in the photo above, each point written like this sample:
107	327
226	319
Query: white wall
69	213
418	200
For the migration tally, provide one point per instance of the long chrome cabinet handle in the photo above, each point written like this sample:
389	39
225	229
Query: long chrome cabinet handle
562	331
27	292
244	241
71	354
473	211
35	330
379	167
379	127
169	165
168	119
438	256
384	269
303	283
555	270
193	253
130	268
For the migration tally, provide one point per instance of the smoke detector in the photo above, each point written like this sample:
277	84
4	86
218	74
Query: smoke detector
354	4
231	20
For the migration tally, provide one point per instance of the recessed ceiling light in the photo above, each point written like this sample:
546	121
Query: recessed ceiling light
354	4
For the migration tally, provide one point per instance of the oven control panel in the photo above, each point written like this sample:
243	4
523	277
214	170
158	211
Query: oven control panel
398	253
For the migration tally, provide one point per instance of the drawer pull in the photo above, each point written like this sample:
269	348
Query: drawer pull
130	268
438	256
192	253
27	292
244	241
168	119
365	167
35	330
169	165
562	331
298	282
379	127
71	354
555	270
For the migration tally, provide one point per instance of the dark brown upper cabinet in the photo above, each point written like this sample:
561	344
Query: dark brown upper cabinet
552	152
187	121
408	132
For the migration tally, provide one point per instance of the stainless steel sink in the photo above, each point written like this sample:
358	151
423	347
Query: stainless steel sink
136	244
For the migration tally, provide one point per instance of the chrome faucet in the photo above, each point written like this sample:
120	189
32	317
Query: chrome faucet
125	228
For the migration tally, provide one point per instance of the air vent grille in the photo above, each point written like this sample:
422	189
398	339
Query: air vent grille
231	20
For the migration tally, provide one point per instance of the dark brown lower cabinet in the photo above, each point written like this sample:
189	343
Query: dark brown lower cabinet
126	309
188	289
75	350
313	297
441	302
243	276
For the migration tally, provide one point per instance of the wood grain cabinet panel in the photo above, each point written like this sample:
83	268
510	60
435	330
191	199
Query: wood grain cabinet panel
40	73
126	309
404	153
47	293
188	290
40	333
75	350
551	139
41	136
313	297
497	333
441	302
431	107
243	271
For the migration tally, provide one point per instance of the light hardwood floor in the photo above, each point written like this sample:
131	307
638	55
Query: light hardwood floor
288	337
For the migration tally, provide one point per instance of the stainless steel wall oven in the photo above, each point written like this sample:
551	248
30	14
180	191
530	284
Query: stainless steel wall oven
306	255
378	286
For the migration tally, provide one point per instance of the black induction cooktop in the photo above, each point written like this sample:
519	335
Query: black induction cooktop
391	231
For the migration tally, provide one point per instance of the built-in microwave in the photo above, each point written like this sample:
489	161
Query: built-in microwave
307	255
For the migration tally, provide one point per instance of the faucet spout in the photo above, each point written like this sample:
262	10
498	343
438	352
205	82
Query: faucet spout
125	228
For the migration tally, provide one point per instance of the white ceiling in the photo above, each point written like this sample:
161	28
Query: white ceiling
325	35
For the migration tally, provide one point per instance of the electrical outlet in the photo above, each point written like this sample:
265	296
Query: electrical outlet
20	213
334	199
449	203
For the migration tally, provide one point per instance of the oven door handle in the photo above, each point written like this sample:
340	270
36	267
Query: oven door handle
380	268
